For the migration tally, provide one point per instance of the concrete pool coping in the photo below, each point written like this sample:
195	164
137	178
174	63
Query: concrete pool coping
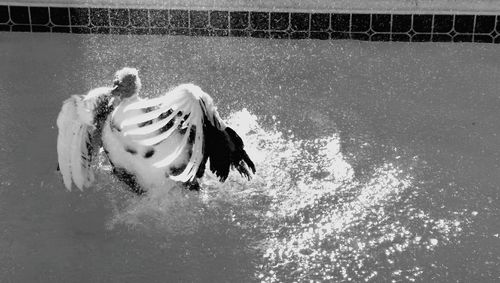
483	7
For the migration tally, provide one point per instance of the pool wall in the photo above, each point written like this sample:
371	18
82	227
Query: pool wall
407	21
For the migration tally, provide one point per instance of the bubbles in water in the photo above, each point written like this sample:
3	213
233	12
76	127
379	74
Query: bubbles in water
306	211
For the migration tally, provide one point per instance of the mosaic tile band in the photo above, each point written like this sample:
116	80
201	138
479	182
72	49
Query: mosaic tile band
372	27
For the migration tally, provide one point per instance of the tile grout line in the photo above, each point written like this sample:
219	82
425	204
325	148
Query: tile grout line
451	36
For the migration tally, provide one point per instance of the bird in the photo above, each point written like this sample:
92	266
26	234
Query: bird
149	142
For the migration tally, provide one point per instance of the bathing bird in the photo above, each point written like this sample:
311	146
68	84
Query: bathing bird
149	142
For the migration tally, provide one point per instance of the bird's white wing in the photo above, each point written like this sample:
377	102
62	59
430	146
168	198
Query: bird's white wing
181	110
75	144
189	111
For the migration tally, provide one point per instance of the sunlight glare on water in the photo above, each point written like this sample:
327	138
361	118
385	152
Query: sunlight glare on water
305	210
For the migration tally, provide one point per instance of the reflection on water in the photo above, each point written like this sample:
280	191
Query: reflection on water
412	194
305	210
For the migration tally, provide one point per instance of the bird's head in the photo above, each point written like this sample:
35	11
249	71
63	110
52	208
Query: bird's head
126	83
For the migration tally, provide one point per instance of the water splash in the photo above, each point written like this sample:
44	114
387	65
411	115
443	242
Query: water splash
305	211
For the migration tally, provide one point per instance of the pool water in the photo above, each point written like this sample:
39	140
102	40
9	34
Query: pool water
375	162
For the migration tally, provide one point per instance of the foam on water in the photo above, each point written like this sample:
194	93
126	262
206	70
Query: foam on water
305	209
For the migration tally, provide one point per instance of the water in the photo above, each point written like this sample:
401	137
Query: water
376	162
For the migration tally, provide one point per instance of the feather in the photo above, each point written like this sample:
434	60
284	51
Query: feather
77	136
153	127
161	137
213	140
64	140
150	115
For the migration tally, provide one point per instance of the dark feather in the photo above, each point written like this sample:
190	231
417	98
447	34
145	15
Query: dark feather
225	149
217	150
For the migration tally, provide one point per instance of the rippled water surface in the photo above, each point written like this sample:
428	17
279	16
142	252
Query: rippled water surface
376	162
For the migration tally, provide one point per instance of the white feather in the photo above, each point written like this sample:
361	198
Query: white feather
64	140
149	129
77	170
188	99
161	137
75	126
174	155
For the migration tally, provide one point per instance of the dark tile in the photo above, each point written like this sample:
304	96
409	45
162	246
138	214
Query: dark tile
79	16
443	23
4	28
38	28
498	24
441	38
322	35
179	18
299	21
360	22
381	23
158	18
239	20
199	19
360	36
200	32
401	23
320	22
422	23
280	21
160	31
61	29
464	23
99	17
259	34
139	18
497	39
59	16
299	35
239	33
380	37
39	15
483	38
139	31
19	15
119	30
84	30
259	20
219	19
21	28
340	35
400	37
341	22
279	34
100	30
179	31
484	24
462	38
119	17
4	14
421	37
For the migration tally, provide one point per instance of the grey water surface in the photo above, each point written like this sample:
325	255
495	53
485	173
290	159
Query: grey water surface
376	162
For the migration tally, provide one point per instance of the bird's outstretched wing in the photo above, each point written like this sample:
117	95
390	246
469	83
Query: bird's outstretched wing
189	111
76	141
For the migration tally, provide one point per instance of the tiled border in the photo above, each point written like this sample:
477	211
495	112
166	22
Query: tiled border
282	25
